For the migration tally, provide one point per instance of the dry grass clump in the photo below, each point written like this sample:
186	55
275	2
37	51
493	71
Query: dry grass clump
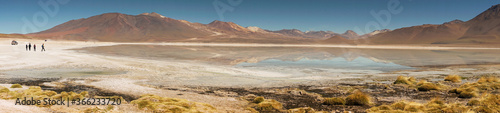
16	86
398	107
38	94
260	104
302	110
427	86
474	102
358	98
468	93
4	89
34	91
488	103
258	99
251	110
469	90
453	78
383	108
334	101
405	107
405	80
153	103
270	105
489	79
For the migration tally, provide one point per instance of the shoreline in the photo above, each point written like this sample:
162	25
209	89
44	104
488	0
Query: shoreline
358	46
414	47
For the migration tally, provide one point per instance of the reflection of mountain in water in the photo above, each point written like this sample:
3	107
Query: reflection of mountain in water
237	55
360	63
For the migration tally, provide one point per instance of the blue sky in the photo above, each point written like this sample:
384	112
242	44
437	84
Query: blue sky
306	15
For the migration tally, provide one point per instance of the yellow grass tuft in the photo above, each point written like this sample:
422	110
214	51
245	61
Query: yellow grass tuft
468	94
37	93
4	89
488	103
474	102
334	101
412	79
399	105
380	108
405	80
453	78
270	105
358	98
427	86
302	110
484	84
258	99
84	93
153	103
488	80
16	86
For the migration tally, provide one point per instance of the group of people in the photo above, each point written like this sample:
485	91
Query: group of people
28	47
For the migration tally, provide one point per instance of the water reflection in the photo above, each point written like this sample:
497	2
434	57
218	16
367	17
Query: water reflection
300	57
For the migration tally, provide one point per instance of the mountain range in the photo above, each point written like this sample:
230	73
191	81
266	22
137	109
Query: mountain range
482	29
153	27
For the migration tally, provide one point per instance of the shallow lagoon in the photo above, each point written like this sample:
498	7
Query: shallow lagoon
300	61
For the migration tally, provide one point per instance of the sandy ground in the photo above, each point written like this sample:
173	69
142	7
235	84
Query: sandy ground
58	55
7	106
142	71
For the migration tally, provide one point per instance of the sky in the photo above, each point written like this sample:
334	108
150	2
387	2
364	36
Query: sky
362	16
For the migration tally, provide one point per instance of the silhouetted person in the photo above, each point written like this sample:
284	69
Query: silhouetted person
29	47
34	47
26	47
43	47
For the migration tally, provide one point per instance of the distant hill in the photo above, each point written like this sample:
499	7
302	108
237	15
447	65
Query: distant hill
337	40
483	29
153	27
423	34
12	36
116	27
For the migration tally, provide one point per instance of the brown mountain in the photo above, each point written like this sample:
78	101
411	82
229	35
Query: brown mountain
484	28
227	27
118	27
337	40
153	27
291	32
373	33
424	34
308	34
319	34
231	32
349	34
